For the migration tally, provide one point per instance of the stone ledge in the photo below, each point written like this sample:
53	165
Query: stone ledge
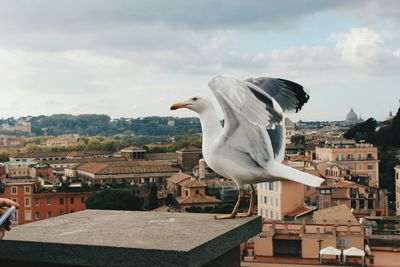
128	238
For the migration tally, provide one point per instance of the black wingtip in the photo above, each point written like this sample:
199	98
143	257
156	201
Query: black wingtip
298	89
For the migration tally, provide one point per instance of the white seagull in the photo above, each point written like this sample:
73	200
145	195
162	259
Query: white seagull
250	146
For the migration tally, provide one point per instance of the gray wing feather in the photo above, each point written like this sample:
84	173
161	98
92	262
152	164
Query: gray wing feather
290	95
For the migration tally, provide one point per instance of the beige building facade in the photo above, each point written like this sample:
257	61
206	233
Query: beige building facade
273	202
335	227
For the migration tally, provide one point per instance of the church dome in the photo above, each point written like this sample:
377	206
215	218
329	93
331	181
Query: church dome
351	116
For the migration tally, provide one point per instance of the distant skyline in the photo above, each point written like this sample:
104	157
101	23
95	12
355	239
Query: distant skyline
135	58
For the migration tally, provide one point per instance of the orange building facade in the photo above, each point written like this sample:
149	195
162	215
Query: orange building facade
357	159
35	205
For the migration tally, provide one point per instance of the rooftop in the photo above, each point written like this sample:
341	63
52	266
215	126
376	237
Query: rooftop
333	215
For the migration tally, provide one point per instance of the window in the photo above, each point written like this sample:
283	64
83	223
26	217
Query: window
61	201
265	200
71	200
14	190
362	204
342	242
15	216
61	212
370	167
37	215
49	214
340	157
14	199
27	189
27	202
325	191
370	156
308	188
28	215
83	199
360	167
350	157
276	202
359	156
370	204
48	201
197	193
271	186
353	204
271	214
261	212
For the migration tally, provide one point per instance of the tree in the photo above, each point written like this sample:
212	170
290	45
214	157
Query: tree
114	199
153	197
4	156
363	131
298	139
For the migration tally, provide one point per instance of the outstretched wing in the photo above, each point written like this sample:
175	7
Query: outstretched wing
290	95
248	112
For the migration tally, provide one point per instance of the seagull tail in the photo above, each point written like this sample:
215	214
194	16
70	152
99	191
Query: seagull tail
282	171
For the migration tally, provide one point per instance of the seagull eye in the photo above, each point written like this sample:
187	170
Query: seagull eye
194	98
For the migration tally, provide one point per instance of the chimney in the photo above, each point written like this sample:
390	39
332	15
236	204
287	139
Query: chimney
202	169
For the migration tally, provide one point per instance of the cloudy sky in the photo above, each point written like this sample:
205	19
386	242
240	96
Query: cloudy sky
135	58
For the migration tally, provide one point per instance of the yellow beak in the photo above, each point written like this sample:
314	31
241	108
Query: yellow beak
178	106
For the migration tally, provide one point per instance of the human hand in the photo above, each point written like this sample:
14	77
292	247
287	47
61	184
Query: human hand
4	205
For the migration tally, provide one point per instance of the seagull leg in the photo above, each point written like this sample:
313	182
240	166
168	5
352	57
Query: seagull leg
251	204
234	211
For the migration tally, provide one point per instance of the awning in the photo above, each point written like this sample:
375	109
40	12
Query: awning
287	237
330	251
353	252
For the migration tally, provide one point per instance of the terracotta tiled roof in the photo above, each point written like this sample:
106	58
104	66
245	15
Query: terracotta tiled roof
298	211
190	149
177	178
192	183
84	160
104	168
340	214
161	156
340	184
41	155
197	199
88	153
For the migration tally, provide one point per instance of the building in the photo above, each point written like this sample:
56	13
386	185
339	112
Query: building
133	153
188	158
20	126
336	227
11	142
123	172
62	140
352	118
397	184
273	202
355	159
190	194
36	204
290	130
363	200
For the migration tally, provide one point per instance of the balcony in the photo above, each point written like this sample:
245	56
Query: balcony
128	238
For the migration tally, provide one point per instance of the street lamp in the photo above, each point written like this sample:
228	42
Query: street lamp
319	248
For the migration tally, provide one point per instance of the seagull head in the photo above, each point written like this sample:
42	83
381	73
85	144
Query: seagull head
197	104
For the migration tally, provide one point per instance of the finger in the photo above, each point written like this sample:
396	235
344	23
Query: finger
5	202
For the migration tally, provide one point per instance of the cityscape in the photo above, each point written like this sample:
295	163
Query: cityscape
357	206
103	171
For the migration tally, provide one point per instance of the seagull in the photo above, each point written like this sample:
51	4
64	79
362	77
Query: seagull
249	147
